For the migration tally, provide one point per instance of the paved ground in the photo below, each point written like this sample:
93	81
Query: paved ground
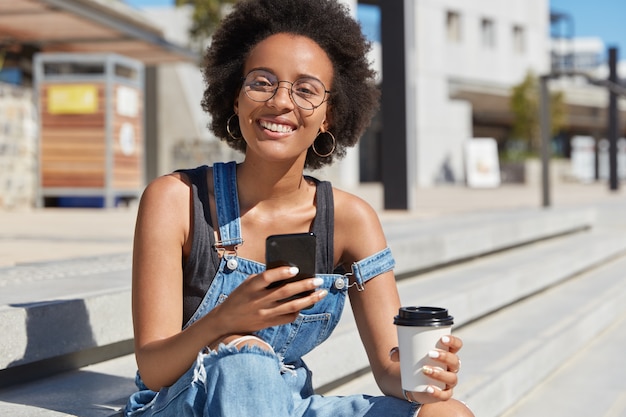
52	233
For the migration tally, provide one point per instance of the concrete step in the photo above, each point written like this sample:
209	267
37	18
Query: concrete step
53	310
98	390
546	354
474	289
430	243
81	311
62	315
514	350
591	383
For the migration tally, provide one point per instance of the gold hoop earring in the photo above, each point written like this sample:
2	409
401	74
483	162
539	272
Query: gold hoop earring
332	148
228	129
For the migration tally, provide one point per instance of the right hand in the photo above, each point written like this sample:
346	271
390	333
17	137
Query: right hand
252	306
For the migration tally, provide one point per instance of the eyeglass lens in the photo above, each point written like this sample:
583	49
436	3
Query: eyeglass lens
307	92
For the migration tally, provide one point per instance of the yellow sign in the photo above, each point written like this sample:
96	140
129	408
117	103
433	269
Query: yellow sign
73	99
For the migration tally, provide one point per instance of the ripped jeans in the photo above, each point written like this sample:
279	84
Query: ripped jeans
232	382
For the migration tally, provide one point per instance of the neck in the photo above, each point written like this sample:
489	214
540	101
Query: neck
271	184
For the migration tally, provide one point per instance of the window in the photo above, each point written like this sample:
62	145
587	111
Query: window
488	33
519	41
453	26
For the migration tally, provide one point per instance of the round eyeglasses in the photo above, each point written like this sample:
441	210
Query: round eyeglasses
308	93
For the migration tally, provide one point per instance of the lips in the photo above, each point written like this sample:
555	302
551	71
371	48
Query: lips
276	127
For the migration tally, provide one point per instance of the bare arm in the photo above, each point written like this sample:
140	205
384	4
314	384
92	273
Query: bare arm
163	353
359	235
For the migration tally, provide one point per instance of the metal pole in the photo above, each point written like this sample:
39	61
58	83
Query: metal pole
613	121
394	152
544	117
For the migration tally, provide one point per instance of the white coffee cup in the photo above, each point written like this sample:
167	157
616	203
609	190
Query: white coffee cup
420	330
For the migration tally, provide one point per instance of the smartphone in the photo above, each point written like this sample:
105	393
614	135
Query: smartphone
295	249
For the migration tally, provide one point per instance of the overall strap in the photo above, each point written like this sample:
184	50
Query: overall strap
324	226
227	204
372	266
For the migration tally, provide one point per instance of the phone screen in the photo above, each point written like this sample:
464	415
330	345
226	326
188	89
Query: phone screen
295	249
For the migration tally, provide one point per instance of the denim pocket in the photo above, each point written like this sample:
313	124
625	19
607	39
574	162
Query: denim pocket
313	325
298	338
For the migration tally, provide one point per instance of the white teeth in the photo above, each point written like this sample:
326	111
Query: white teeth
274	127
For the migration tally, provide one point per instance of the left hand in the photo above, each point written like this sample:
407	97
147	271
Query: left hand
449	360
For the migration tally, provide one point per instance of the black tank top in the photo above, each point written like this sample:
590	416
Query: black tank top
203	262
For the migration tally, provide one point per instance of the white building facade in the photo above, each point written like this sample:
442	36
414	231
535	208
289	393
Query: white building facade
487	45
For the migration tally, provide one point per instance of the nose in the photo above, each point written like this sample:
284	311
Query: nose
282	96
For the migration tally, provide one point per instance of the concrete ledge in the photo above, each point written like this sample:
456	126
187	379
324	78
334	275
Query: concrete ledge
342	356
63	312
427	244
99	390
39	331
513	354
56	308
480	287
512	351
560	394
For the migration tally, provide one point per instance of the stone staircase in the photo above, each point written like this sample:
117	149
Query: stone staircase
530	290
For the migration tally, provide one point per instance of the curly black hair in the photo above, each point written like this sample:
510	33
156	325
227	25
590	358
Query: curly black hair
354	97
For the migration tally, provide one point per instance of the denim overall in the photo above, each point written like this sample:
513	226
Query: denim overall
252	381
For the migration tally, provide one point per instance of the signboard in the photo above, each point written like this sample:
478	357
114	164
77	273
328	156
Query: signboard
583	158
127	101
482	166
72	99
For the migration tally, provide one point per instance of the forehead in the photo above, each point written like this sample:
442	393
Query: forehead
289	57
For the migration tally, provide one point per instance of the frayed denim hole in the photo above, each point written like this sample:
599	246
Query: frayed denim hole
206	359
199	371
224	350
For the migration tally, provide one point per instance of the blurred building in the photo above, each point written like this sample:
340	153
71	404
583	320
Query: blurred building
29	27
586	103
466	57
461	60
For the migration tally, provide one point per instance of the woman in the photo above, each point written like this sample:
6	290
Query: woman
289	85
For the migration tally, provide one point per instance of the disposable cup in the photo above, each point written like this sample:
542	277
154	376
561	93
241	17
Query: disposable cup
420	330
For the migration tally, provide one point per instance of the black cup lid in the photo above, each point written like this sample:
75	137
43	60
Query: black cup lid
423	316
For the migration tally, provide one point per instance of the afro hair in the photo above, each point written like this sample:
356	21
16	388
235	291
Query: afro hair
354	97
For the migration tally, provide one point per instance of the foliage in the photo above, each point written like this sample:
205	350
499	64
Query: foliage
206	16
524	104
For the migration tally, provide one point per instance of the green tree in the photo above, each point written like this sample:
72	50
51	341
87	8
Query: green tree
524	105
206	16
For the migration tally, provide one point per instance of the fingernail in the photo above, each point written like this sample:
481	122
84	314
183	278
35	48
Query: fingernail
427	370
445	339
433	354
318	281
321	294
293	270
430	390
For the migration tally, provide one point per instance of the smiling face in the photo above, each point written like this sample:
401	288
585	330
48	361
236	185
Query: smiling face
278	129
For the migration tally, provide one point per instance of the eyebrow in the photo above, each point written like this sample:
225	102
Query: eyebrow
300	76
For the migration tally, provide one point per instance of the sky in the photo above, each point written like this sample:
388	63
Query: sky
597	18
591	18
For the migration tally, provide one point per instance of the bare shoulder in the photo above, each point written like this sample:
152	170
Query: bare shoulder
165	205
167	190
358	232
352	209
